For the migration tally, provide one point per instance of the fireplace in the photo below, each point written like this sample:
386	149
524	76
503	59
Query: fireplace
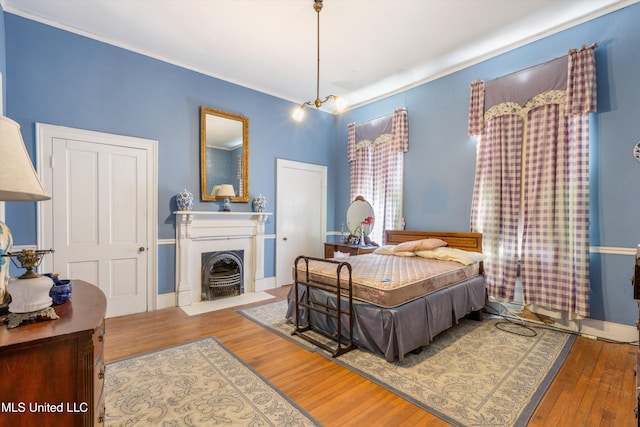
232	233
222	274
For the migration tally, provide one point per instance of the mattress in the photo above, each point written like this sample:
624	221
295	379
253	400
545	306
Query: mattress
389	281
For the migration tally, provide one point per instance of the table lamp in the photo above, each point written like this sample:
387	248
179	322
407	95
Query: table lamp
18	182
226	191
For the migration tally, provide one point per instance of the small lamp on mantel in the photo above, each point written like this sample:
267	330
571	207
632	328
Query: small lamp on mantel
226	191
18	182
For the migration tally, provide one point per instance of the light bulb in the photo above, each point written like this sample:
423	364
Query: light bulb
298	114
340	102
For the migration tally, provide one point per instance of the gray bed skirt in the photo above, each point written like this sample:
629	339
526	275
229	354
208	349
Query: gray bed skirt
394	332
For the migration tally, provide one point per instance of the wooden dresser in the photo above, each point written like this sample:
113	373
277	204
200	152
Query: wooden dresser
52	371
635	280
330	248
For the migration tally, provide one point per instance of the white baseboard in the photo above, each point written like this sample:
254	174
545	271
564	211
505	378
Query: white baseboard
590	328
609	330
166	300
265	284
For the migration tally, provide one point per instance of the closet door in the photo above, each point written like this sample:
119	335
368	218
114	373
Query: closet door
301	222
101	218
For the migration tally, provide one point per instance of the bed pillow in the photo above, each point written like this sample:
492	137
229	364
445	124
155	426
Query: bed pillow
420	245
452	254
389	250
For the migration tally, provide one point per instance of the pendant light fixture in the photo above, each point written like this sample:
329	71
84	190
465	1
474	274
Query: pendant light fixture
298	113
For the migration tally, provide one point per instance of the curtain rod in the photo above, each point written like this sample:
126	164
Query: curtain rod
379	117
584	47
572	50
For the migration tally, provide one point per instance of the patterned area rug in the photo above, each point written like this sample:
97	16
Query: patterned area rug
195	384
473	374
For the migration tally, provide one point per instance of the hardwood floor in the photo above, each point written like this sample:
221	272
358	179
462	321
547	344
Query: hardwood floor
595	386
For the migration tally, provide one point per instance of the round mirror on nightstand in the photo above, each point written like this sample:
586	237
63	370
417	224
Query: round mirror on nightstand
360	219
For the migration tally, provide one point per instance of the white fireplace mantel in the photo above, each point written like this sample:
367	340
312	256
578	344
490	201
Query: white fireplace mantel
203	231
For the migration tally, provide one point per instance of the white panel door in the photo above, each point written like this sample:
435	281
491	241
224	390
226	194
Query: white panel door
99	220
301	222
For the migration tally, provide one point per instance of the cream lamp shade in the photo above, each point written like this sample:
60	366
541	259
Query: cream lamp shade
226	190
18	178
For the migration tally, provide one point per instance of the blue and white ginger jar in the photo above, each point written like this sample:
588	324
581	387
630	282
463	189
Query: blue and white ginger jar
259	203
184	199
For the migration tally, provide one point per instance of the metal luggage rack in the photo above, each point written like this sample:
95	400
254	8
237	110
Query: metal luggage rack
343	344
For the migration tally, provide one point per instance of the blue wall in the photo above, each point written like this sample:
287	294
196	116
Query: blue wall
53	76
3	56
57	77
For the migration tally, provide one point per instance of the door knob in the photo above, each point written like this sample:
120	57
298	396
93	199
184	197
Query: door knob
141	248
284	238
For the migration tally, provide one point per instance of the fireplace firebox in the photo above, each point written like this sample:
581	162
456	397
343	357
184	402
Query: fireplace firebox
222	274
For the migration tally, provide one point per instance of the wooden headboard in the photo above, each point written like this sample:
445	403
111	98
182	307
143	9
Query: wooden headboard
467	241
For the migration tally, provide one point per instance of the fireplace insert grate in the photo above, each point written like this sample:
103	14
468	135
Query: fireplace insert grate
222	274
224	284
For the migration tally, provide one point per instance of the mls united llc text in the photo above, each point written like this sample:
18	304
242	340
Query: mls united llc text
43	407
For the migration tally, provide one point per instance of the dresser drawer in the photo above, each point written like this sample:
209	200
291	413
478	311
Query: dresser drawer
98	341
637	369
98	380
99	370
99	413
329	250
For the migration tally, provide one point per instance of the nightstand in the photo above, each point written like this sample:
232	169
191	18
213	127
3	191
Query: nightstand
330	248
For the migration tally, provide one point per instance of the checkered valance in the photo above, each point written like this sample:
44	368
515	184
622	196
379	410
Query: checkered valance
573	74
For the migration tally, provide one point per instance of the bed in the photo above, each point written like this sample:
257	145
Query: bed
392	301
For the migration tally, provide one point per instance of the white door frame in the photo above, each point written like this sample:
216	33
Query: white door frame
44	133
280	218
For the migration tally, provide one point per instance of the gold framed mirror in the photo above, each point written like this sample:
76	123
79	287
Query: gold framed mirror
224	154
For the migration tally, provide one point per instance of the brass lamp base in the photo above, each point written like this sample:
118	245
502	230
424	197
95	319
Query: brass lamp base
30	259
15	319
